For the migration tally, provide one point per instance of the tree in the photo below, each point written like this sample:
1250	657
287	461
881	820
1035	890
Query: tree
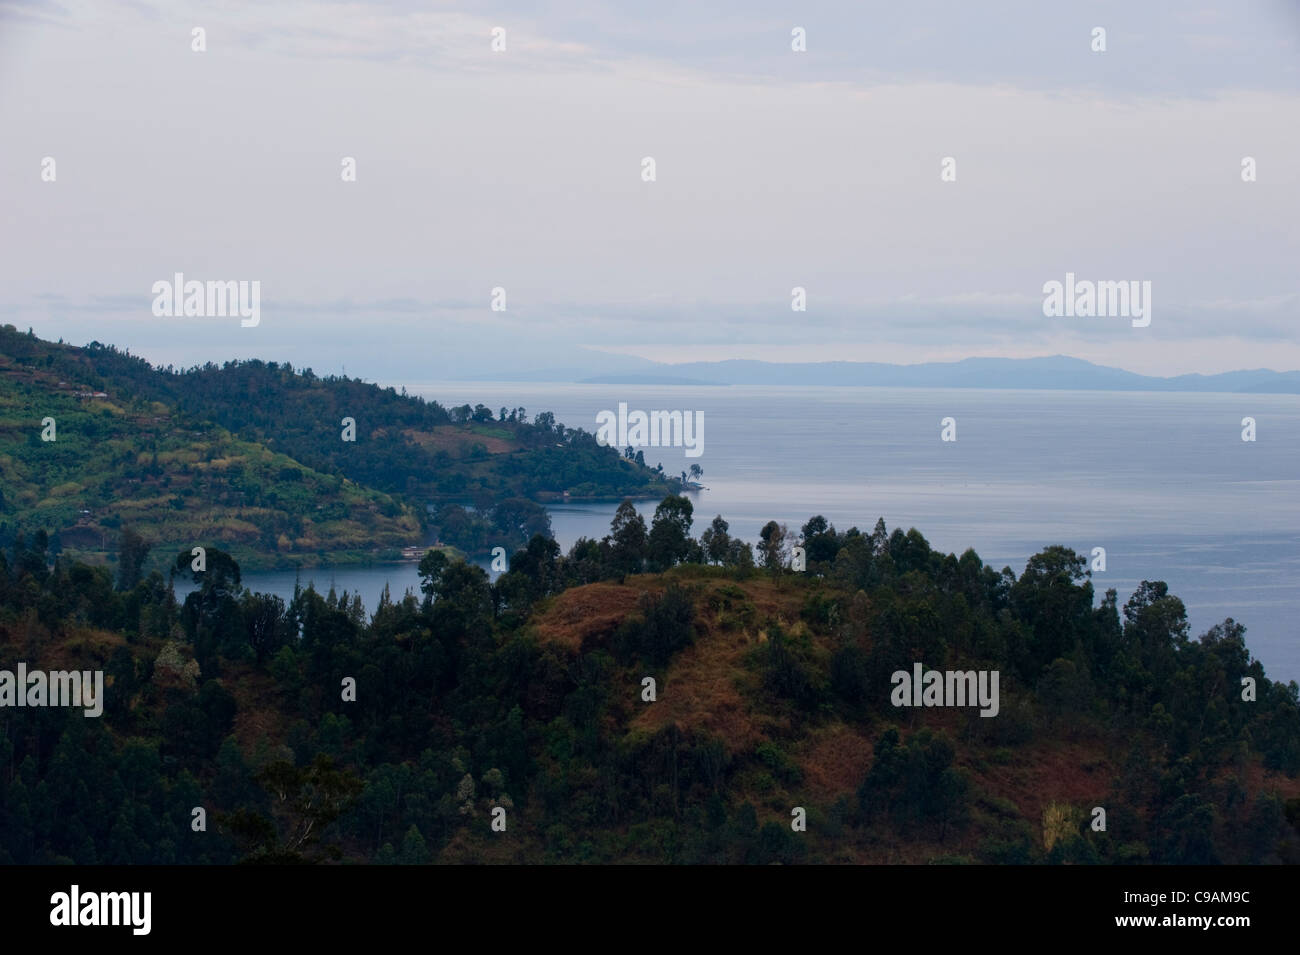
520	519
1266	828
211	616
772	547
664	627
820	542
816	525
1155	623
534	573
716	541
462	606
219	576
949	799
265	623
787	672
432	564
670	533
740	555
910	551
304	801
849	673
885	775
879	538
1064	692
1186	832
132	549
414	850
1049	597
627	539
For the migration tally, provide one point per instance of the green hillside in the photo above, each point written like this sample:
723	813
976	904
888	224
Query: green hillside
252	456
116	462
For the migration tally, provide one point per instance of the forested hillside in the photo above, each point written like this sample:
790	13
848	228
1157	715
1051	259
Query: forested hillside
252	456
525	701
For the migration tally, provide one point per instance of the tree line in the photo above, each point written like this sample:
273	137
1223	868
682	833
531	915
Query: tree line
461	706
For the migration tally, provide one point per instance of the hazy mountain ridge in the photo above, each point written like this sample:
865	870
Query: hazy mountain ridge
1057	373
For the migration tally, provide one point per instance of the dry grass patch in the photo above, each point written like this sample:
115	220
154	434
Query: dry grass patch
701	691
256	718
1054	772
834	761
586	614
450	438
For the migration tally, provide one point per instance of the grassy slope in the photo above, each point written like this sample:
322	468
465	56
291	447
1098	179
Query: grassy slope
136	464
712	686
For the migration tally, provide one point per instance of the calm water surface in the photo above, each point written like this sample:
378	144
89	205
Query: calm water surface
1162	481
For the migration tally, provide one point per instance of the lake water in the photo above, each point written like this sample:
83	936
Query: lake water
1162	481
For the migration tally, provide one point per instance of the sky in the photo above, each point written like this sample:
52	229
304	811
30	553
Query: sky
774	169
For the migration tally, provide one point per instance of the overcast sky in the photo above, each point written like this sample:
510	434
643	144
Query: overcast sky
522	169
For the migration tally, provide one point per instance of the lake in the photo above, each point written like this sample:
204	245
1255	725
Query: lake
1164	482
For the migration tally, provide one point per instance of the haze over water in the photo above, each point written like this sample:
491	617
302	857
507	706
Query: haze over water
1162	481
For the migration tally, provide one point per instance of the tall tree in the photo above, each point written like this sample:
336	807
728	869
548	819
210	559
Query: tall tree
670	532
132	549
716	541
627	534
772	547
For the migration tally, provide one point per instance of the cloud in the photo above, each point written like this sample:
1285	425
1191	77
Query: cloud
776	170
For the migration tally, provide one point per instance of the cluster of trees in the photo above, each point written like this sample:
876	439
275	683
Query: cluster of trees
509	524
458	706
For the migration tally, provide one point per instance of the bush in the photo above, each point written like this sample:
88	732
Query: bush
665	626
788	671
781	765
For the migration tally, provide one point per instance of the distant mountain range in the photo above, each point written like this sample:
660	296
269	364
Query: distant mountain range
1057	373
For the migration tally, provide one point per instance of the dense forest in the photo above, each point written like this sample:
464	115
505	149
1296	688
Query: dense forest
257	458
514	721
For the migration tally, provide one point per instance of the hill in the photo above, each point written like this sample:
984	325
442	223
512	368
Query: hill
312	732
252	456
